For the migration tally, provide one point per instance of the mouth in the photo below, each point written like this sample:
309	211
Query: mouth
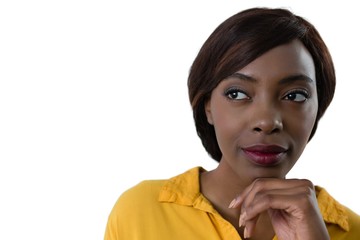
265	155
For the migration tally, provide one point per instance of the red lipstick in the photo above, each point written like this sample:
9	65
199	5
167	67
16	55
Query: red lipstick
265	155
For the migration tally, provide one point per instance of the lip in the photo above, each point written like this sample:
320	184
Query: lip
265	155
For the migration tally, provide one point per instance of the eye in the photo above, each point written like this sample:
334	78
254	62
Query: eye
236	94
297	96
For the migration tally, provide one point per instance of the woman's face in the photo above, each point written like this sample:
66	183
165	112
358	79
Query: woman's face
264	113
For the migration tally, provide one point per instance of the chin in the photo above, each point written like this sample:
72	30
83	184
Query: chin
269	172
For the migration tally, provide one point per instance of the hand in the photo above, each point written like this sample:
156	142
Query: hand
290	203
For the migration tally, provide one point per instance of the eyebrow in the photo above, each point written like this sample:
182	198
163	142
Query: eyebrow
286	80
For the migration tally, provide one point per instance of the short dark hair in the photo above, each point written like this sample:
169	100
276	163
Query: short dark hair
241	39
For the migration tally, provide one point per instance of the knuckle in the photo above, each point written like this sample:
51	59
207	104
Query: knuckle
264	197
258	184
267	198
307	183
306	196
308	191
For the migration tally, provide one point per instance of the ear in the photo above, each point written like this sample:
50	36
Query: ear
208	112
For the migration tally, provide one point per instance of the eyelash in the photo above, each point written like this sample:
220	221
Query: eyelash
230	91
304	93
236	91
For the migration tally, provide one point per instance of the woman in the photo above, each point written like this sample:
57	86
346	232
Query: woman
258	88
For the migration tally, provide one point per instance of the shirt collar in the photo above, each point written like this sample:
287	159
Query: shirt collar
184	189
331	210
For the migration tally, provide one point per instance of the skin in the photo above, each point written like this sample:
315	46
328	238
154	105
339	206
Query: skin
271	101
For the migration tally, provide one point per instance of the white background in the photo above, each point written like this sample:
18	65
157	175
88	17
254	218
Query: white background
93	99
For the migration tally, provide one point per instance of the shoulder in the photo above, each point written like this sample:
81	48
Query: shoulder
131	210
143	194
144	188
147	196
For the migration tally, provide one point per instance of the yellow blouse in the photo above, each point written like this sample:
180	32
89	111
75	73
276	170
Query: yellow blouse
175	209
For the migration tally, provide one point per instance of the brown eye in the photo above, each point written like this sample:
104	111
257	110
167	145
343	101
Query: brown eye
297	96
236	94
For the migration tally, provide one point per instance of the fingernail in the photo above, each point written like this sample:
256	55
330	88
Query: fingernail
232	203
242	219
246	234
241	222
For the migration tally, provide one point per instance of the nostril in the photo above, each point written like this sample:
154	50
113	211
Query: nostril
266	130
257	129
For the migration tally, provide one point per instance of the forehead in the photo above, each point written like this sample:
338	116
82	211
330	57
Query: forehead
284	60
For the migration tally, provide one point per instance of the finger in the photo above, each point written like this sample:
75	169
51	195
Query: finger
262	198
249	225
244	217
262	184
293	201
249	219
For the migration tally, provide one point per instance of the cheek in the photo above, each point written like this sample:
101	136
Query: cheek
303	121
228	126
311	115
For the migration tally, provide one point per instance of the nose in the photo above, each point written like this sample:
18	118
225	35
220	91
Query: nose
267	120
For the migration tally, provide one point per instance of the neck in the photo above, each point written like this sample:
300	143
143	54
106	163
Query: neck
223	183
220	186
